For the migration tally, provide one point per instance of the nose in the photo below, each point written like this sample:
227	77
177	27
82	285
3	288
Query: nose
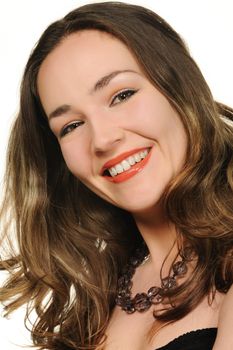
105	135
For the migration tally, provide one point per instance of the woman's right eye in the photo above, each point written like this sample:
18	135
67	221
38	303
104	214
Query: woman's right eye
70	127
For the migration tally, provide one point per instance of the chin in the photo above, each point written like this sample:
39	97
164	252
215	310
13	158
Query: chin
143	207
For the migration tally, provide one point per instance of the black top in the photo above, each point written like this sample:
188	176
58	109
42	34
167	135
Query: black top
201	339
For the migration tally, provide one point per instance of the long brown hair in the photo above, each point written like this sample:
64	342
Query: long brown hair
71	243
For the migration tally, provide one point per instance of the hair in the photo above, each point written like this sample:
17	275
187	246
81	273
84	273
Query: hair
71	244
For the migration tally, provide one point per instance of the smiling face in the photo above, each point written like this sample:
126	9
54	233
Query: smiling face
118	134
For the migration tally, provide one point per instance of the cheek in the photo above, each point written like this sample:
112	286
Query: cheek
178	155
150	115
74	159
140	119
156	120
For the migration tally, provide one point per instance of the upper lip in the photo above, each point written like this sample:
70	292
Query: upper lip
112	162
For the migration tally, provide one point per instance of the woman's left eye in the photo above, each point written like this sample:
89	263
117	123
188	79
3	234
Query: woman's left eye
122	96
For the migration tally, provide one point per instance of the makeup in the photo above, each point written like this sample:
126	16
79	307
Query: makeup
126	165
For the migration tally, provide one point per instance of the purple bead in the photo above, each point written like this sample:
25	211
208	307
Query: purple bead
157	299
128	306
152	292
120	300
179	268
121	282
188	254
141	302
168	283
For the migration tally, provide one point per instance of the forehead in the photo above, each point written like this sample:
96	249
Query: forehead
84	56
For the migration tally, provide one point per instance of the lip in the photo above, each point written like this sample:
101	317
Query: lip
121	157
135	169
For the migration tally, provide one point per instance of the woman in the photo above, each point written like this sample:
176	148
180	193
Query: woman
120	184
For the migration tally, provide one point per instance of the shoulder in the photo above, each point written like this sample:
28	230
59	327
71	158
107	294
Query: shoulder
224	338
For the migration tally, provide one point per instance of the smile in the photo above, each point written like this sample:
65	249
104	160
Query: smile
127	167
126	164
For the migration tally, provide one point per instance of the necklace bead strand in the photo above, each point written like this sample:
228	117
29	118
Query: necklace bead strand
155	295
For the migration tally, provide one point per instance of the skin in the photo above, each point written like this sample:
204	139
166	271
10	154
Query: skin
225	339
96	121
110	125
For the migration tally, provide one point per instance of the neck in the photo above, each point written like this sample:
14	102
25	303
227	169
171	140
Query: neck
159	235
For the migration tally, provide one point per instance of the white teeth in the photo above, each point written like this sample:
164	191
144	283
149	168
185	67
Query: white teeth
113	172
127	163
131	160
119	168
143	154
137	157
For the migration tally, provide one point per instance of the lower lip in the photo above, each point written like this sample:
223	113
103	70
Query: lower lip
135	169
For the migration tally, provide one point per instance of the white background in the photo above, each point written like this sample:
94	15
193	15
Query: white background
205	25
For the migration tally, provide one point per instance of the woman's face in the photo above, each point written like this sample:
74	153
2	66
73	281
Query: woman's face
118	134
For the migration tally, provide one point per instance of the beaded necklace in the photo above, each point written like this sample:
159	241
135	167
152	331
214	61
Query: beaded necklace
155	295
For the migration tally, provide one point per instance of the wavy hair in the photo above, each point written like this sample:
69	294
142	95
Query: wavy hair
71	244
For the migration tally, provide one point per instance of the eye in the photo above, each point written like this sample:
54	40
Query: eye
70	127
122	96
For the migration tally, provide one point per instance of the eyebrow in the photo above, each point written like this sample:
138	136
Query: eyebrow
59	111
100	84
104	81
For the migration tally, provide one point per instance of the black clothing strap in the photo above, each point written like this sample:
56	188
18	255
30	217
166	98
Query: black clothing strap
201	339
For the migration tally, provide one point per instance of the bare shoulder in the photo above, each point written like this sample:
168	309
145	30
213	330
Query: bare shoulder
225	325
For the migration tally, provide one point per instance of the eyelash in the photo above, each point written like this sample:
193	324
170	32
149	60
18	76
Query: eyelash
69	128
125	94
